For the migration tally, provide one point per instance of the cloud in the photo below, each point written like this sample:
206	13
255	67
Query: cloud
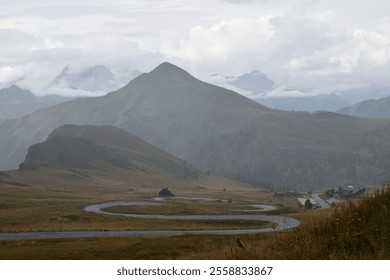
241	44
38	48
302	42
301	50
11	38
238	42
9	74
241	1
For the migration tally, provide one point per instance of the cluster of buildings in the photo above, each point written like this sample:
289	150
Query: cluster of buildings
334	196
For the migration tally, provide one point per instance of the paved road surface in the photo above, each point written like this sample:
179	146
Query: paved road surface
282	223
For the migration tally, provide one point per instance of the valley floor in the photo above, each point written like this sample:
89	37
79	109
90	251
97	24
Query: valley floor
57	202
54	201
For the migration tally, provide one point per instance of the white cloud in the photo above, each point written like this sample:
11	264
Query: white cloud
228	45
297	49
40	48
51	44
9	74
14	38
241	1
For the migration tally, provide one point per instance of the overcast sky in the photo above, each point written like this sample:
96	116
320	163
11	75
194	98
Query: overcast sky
307	43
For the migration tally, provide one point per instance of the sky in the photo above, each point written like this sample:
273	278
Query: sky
332	44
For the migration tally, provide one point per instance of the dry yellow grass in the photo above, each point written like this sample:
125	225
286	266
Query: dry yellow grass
144	248
52	200
354	230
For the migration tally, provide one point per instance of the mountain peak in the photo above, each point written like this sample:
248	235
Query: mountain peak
256	73
93	79
167	66
15	94
255	81
168	70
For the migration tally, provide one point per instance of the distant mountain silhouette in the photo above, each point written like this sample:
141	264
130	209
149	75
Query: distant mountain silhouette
356	95
16	102
373	109
103	148
220	131
93	79
321	102
255	81
282	97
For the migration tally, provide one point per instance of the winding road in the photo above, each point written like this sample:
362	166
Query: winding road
282	223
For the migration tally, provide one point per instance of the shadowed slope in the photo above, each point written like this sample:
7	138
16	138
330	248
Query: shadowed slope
102	147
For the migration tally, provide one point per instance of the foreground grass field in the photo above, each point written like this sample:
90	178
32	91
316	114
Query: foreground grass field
56	201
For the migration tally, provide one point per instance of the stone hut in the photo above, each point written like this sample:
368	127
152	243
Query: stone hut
164	192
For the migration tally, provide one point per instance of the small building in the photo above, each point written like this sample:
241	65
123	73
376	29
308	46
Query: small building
351	190
164	192
302	202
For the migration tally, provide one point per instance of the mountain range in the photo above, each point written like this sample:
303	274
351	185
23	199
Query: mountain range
16	102
373	109
321	102
220	131
278	96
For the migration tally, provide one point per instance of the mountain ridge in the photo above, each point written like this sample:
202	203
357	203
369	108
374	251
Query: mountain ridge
101	148
220	131
16	102
373	109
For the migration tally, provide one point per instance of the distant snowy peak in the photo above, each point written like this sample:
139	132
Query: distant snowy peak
257	86
250	84
97	78
255	81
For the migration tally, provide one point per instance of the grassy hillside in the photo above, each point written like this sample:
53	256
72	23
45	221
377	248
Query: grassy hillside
103	148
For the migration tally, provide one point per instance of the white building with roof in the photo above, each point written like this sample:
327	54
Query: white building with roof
350	190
